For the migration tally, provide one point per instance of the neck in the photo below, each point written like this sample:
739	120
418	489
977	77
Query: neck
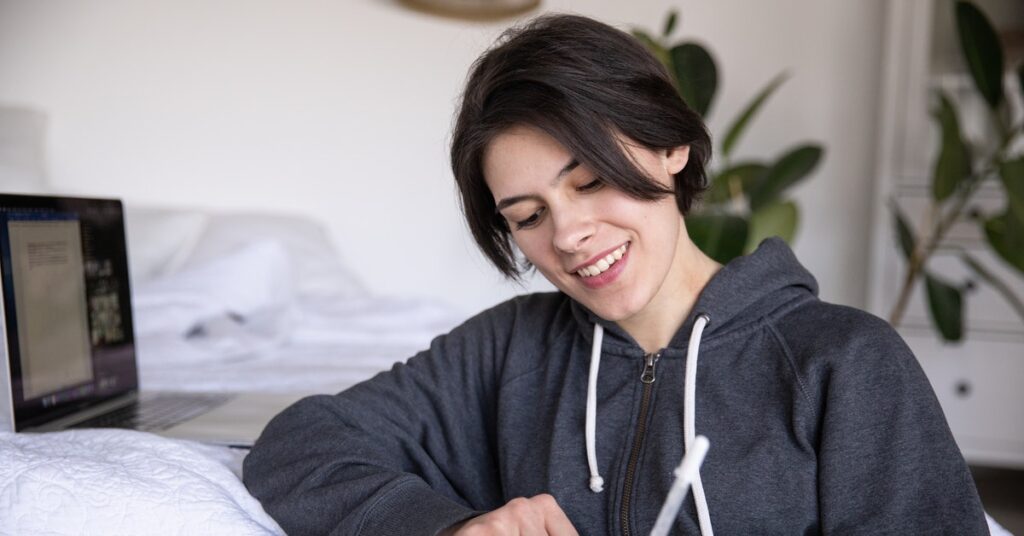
654	328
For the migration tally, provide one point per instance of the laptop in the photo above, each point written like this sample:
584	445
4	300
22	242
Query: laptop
68	349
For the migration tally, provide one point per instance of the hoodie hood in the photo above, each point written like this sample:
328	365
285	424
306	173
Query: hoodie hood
743	291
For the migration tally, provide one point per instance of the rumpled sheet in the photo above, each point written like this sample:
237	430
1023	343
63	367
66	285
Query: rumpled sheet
112	482
312	346
234	324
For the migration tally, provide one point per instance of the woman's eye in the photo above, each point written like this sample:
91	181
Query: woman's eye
592	185
529	222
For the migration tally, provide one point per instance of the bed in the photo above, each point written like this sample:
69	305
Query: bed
222	302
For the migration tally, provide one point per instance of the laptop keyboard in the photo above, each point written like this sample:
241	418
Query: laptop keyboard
157	412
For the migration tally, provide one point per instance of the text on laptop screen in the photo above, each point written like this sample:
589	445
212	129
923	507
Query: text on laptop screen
67	320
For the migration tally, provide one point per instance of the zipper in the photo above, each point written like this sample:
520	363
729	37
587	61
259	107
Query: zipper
650	360
647	377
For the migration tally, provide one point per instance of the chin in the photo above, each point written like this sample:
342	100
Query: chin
612	307
612	312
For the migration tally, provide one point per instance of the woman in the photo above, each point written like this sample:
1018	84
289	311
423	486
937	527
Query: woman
566	412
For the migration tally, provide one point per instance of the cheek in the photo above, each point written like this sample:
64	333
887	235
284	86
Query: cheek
631	212
537	248
530	244
658	223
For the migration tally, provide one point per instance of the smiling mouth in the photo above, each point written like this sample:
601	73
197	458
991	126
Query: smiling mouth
604	263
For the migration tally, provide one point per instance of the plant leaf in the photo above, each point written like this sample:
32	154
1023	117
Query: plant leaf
670	23
654	46
644	38
945	302
1012	174
696	75
982	51
776	219
1005	234
953	164
785	172
720	236
995	282
733	134
903	231
744	175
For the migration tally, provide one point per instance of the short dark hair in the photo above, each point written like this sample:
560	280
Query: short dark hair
581	82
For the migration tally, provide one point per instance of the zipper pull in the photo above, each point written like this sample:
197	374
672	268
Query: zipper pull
649	361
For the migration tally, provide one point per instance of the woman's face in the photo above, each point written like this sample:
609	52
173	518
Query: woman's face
614	254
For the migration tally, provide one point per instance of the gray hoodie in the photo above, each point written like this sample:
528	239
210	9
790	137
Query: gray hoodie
819	417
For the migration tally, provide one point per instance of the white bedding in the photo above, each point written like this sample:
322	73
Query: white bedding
322	347
245	302
113	482
235	324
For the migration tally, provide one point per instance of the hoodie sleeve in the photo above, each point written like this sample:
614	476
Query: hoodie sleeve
410	451
888	463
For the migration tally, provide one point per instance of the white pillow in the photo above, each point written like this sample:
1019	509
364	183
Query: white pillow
162	242
317	267
122	482
159	240
252	279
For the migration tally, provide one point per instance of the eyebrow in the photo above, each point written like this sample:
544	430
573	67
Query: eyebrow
508	201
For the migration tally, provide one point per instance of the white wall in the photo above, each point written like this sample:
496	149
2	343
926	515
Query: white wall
341	109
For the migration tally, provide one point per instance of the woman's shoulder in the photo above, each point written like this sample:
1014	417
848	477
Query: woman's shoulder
537	304
512	335
822	334
837	351
533	313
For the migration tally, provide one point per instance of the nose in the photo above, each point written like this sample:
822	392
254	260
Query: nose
573	229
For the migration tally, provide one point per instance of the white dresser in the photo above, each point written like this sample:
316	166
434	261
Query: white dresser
980	382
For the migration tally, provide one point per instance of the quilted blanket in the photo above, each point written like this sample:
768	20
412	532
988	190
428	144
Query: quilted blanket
114	482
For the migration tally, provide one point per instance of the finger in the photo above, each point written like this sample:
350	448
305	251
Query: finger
556	523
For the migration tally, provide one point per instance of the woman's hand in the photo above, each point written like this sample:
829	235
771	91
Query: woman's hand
536	516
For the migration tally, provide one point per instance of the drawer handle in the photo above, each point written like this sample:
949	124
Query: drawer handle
963	389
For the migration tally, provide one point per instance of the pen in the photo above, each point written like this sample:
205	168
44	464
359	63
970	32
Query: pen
685	474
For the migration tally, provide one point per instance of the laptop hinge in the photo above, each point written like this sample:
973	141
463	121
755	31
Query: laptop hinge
85	414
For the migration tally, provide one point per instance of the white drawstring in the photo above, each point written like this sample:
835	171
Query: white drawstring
689	407
689	426
596	482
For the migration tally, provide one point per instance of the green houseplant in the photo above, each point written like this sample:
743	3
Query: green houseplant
963	167
746	201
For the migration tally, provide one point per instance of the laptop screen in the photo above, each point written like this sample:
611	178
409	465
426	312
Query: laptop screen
66	305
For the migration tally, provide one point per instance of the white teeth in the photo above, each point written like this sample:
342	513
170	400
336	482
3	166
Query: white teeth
603	264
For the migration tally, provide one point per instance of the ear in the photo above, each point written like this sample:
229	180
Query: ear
676	159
